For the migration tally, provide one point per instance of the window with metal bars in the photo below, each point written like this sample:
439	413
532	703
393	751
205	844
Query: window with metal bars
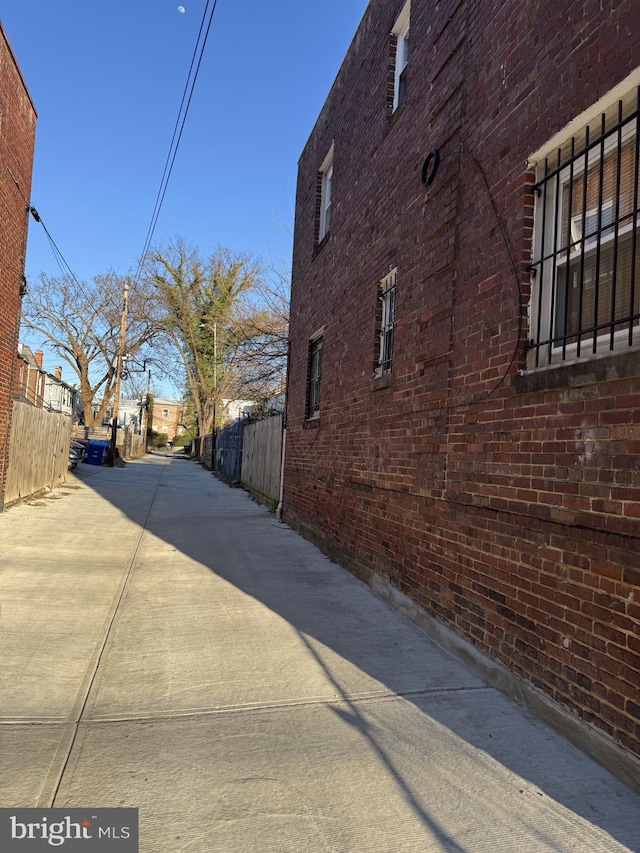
387	315
586	263
314	377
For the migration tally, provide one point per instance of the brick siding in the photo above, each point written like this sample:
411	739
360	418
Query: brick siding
17	134
507	506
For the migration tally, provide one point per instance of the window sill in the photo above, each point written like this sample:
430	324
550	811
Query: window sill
311	423
319	246
588	371
380	382
393	117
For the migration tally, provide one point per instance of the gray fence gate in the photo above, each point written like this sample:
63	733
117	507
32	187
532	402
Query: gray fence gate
229	451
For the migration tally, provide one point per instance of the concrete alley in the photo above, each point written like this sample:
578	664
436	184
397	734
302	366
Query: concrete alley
167	644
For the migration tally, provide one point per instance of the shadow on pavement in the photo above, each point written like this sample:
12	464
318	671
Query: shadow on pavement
223	530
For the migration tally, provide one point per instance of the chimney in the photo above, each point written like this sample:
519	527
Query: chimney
38	357
57	372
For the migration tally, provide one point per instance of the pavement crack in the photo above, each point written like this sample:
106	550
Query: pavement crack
92	672
242	707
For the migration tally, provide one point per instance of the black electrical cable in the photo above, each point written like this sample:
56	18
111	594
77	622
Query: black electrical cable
514	269
192	76
65	269
183	111
480	399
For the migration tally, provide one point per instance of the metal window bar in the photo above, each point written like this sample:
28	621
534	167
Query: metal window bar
596	290
554	257
587	289
534	271
387	323
583	228
614	273
314	377
568	256
634	230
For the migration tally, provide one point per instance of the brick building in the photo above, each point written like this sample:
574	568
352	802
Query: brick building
30	378
17	137
168	417
464	387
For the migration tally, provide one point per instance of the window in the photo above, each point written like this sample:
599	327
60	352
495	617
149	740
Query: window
326	180
387	319
165	413
400	36
586	261
314	377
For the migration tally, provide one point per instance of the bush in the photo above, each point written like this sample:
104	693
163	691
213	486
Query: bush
186	438
156	440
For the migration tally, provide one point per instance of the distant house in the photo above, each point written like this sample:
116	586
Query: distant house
273	403
17	137
168	417
131	414
30	378
33	384
60	396
232	410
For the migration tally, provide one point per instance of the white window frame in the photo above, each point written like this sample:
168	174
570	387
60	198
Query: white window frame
326	183
401	32
546	287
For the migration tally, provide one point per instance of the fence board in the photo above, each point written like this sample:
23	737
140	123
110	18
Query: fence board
261	459
39	451
130	445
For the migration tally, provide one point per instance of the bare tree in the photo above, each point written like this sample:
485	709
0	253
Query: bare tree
261	337
81	323
199	298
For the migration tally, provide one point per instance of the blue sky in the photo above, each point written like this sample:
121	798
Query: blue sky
107	78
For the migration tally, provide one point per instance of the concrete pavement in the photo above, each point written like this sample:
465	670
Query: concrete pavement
166	644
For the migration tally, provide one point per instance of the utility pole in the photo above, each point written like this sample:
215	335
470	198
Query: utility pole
119	357
214	434
146	412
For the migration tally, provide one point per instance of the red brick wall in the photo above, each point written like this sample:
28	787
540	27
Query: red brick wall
17	134
506	506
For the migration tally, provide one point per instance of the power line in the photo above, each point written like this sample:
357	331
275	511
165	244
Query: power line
65	269
178	129
185	103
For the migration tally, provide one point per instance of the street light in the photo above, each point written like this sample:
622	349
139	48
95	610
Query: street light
120	358
215	390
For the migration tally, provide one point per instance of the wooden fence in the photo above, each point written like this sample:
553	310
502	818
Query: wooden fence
130	444
103	433
38	452
261	459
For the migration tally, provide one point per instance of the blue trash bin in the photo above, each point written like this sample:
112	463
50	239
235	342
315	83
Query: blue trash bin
95	451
